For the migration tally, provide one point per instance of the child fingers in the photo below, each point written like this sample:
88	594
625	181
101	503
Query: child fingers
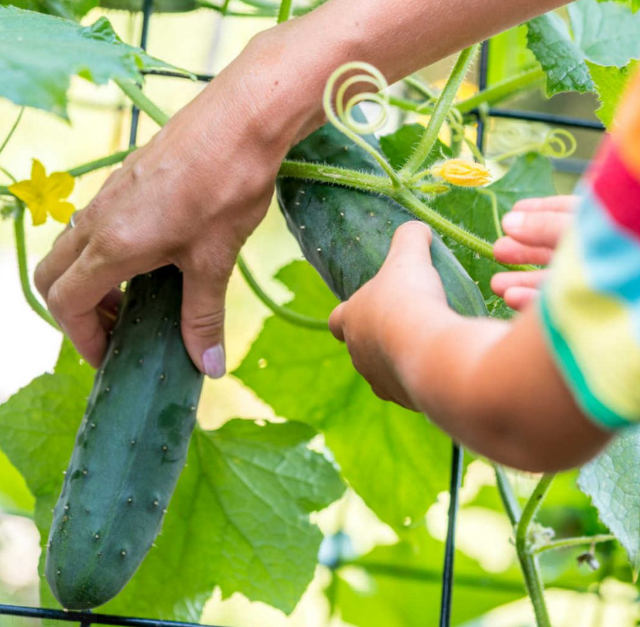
508	250
519	297
504	281
411	242
554	204
336	322
544	228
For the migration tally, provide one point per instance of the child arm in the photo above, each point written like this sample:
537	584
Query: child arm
492	385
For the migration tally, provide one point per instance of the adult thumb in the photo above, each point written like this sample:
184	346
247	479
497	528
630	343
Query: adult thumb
203	299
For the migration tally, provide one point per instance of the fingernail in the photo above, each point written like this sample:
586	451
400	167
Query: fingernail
214	362
513	220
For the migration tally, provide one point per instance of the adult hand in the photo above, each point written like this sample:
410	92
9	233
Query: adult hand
533	229
190	198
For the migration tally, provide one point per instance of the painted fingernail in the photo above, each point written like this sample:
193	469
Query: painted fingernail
214	362
513	220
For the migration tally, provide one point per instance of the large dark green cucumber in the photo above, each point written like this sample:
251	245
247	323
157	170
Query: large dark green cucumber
159	6
130	448
345	234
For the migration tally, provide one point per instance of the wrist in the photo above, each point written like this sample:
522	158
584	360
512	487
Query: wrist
283	72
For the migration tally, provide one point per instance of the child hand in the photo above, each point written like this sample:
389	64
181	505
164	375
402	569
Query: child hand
533	229
379	318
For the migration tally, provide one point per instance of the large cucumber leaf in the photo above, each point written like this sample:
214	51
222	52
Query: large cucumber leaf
39	54
70	9
610	83
239	518
603	33
549	39
611	482
395	459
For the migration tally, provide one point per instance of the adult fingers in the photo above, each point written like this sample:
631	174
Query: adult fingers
544	228
558	204
74	297
519	297
508	250
203	307
67	248
503	281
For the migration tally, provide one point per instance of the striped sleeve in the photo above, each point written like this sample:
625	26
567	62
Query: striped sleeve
590	305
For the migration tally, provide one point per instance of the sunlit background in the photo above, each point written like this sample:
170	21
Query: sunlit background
201	42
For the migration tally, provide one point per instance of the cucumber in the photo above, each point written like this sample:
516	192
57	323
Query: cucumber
130	449
345	234
159	6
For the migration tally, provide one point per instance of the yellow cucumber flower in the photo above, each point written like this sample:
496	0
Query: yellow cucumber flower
462	173
44	194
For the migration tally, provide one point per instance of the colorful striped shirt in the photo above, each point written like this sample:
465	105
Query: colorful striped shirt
590	305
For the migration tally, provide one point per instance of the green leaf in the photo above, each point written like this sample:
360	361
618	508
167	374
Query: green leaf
69	9
15	497
549	39
399	145
607	33
403	586
38	424
604	33
239	519
611	482
39	54
610	84
509	55
395	459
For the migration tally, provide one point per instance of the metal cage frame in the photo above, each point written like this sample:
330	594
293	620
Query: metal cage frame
86	619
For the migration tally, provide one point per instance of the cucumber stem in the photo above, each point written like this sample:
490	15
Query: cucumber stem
308	322
135	94
12	130
571	542
21	250
502	90
528	559
440	113
284	12
381	185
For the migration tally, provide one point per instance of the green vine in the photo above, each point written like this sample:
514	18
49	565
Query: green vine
12	130
23	268
298	319
440	113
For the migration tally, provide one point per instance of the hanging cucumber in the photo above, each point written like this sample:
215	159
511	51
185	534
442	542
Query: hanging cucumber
159	6
130	449
345	233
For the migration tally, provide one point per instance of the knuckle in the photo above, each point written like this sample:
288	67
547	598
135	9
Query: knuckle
55	301
40	277
203	323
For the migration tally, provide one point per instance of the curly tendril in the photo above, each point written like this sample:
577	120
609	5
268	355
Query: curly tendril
555	143
559	144
342	115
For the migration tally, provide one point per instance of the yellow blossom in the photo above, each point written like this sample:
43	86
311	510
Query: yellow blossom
462	173
44	194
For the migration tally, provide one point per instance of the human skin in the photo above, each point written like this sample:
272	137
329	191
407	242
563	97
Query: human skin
197	190
532	229
471	376
491	384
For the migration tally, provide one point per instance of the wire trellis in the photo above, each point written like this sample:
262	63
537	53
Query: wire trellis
86	619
